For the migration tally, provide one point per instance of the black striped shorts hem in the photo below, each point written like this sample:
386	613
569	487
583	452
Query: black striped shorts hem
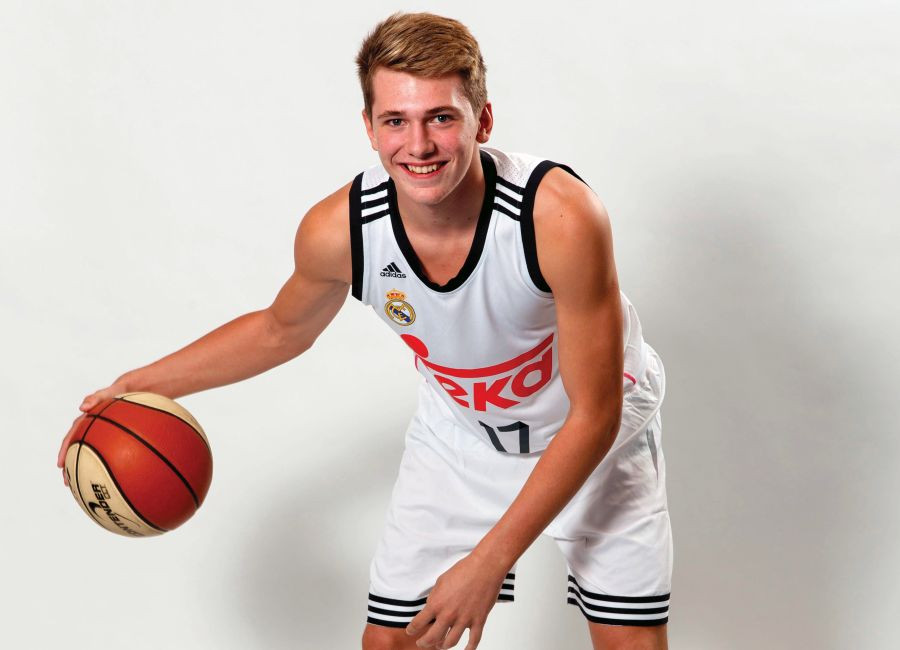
393	612
640	611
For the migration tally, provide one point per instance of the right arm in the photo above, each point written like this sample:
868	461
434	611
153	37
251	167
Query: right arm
259	340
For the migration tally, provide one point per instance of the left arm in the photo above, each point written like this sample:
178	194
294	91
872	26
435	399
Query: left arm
574	244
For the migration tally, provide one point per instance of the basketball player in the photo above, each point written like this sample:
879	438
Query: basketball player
539	407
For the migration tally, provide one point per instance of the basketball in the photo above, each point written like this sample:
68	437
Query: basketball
139	464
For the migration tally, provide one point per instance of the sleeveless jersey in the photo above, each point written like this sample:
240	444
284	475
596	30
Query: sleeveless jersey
485	342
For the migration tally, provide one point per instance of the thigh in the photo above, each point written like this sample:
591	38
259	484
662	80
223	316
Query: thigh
617	539
614	637
376	637
446	498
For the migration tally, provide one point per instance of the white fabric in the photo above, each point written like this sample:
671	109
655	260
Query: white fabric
453	487
496	316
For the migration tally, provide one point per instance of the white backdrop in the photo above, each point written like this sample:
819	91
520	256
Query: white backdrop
156	158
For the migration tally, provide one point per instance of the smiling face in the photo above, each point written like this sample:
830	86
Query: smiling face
426	134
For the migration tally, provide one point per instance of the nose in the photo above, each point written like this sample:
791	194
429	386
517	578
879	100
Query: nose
419	144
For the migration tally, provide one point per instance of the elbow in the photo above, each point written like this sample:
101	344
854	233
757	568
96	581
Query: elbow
287	342
601	427
611	432
293	344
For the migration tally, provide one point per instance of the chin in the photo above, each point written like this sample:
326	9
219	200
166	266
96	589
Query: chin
430	194
426	195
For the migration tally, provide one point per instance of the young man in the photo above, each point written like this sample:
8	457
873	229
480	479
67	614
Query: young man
539	410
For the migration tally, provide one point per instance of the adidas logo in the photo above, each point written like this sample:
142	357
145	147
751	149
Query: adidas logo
392	271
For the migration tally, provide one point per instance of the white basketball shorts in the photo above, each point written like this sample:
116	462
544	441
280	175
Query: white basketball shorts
453	487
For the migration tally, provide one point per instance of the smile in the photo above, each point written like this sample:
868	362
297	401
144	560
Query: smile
423	171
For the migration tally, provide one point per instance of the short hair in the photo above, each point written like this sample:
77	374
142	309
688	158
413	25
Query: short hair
426	45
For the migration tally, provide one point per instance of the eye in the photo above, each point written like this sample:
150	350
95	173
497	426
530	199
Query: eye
442	119
394	121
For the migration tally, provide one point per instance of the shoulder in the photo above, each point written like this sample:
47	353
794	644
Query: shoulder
322	243
572	230
561	195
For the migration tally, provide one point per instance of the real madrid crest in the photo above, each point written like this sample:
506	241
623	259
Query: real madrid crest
397	309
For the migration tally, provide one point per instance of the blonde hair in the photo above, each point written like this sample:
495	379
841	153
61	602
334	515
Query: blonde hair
426	45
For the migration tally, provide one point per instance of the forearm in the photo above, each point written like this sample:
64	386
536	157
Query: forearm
241	348
565	465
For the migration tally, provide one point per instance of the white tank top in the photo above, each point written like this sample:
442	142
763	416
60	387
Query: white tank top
486	341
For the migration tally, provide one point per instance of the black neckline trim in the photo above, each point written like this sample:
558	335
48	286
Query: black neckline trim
481	229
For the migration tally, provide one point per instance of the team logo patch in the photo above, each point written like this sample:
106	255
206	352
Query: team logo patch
398	310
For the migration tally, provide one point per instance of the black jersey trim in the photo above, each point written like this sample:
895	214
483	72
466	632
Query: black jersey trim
509	198
356	242
376	215
499	207
481	229
526	220
511	186
368	195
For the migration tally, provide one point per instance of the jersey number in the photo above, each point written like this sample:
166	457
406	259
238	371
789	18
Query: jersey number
521	427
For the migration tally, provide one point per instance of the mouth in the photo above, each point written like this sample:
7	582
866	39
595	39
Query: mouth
423	171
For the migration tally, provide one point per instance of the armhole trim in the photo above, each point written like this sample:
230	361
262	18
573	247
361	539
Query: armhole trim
356	240
526	223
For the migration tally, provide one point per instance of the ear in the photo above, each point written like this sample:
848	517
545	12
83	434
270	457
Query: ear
485	123
370	131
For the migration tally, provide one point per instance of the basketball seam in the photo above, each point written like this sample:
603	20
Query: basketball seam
155	451
78	458
121	491
153	408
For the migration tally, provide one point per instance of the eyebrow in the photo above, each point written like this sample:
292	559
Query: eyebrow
430	111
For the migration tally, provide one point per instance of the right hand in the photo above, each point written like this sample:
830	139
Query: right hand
87	404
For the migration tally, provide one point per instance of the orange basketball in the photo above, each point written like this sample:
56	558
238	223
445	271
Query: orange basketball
139	464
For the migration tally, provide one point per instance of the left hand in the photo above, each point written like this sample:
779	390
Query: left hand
461	598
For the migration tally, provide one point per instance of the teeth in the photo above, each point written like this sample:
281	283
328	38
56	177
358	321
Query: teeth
423	170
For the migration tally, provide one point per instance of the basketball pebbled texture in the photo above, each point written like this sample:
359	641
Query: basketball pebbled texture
139	464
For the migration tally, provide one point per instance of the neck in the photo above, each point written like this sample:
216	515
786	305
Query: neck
457	211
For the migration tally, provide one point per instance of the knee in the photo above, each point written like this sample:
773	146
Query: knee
377	637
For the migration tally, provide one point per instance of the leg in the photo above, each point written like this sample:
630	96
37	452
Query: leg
377	637
616	535
628	637
440	508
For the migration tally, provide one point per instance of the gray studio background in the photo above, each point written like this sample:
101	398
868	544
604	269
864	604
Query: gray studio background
156	158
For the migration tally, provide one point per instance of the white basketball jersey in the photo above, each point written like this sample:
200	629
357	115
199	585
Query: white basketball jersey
486	342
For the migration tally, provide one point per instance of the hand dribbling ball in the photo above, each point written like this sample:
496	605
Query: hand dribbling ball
139	464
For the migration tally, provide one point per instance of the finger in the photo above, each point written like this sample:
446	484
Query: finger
65	477
420	621
67	440
434	636
453	637
89	402
474	637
